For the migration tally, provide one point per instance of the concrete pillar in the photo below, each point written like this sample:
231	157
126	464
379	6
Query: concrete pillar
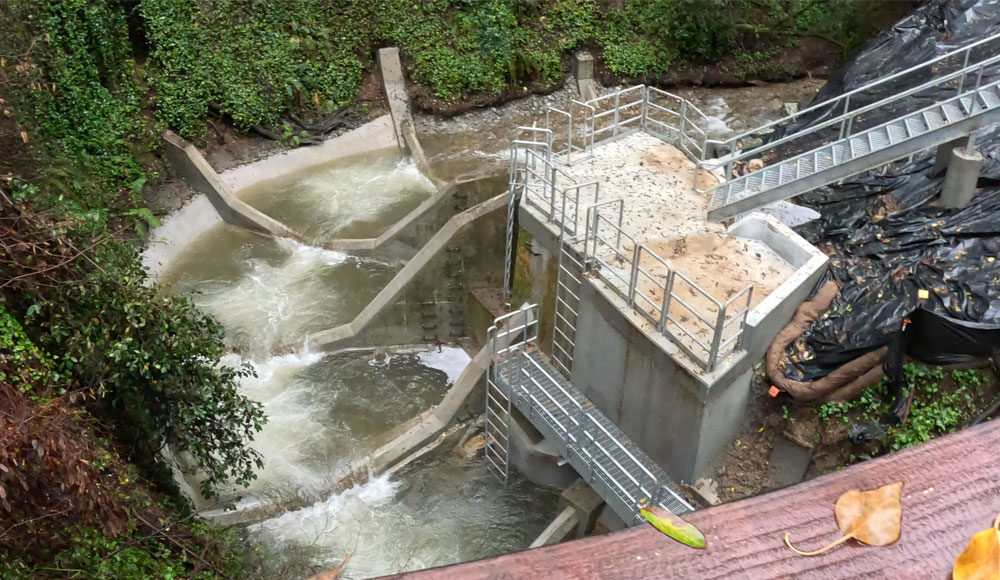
583	72
587	504
944	154
583	65
963	174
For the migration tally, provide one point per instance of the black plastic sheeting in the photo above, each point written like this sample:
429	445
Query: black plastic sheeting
898	255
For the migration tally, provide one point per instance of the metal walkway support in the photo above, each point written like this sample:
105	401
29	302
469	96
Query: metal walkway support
613	465
850	152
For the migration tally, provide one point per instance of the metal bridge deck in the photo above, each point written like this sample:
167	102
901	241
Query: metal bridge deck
939	123
602	454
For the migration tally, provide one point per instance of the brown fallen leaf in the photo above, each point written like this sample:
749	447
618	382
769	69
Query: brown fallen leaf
870	517
980	560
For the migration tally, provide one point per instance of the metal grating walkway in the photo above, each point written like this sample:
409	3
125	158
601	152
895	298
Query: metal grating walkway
601	453
913	127
849	156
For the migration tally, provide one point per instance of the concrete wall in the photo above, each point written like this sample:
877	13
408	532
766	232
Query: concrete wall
192	167
775	311
665	409
374	136
679	415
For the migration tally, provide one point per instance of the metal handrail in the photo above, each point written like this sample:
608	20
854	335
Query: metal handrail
846	96
844	119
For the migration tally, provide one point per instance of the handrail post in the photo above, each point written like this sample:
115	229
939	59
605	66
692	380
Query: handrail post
668	288
645	107
965	64
634	275
683	119
720	322
614	126
847	105
621	217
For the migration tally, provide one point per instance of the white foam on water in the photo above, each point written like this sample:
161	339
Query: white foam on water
270	305
292	427
361	192
450	359
716	109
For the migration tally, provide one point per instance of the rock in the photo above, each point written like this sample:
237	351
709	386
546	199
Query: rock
471	447
750	142
754	165
790	108
707	489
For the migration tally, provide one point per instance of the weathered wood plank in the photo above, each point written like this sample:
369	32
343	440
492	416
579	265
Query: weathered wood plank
951	491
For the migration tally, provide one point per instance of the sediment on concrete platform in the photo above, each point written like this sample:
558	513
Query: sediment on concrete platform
346	334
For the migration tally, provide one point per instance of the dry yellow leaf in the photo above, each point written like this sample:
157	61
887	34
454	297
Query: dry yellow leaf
871	517
980	560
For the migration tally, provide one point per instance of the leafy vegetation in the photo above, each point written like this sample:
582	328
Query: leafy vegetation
935	410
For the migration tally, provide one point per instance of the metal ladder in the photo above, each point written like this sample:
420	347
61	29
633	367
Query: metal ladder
568	285
971	107
497	428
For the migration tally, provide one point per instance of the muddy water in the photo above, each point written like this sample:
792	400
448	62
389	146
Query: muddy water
323	203
468	142
327	410
439	512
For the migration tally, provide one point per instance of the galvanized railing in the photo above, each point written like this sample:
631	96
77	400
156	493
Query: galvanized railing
613	465
847	120
658	292
538	158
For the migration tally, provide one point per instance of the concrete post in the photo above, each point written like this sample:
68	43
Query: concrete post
583	72
586	502
963	174
944	154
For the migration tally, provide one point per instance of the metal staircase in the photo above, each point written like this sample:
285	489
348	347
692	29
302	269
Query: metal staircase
971	106
613	465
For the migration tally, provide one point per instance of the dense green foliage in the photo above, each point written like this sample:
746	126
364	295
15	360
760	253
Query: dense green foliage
255	60
252	59
935	410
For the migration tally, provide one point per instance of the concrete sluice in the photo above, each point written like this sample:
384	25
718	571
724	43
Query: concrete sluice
328	410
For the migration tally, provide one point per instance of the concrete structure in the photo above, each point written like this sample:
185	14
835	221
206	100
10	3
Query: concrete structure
583	72
374	136
190	165
654	265
963	175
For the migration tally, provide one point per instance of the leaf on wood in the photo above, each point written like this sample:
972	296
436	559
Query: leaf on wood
980	560
675	527
870	517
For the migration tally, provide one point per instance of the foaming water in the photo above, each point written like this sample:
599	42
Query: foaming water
439	512
716	109
358	199
326	410
268	293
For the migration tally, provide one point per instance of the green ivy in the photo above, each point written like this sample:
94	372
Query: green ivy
934	412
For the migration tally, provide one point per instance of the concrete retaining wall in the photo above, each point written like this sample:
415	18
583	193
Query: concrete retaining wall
192	167
775	311
372	137
679	415
349	334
